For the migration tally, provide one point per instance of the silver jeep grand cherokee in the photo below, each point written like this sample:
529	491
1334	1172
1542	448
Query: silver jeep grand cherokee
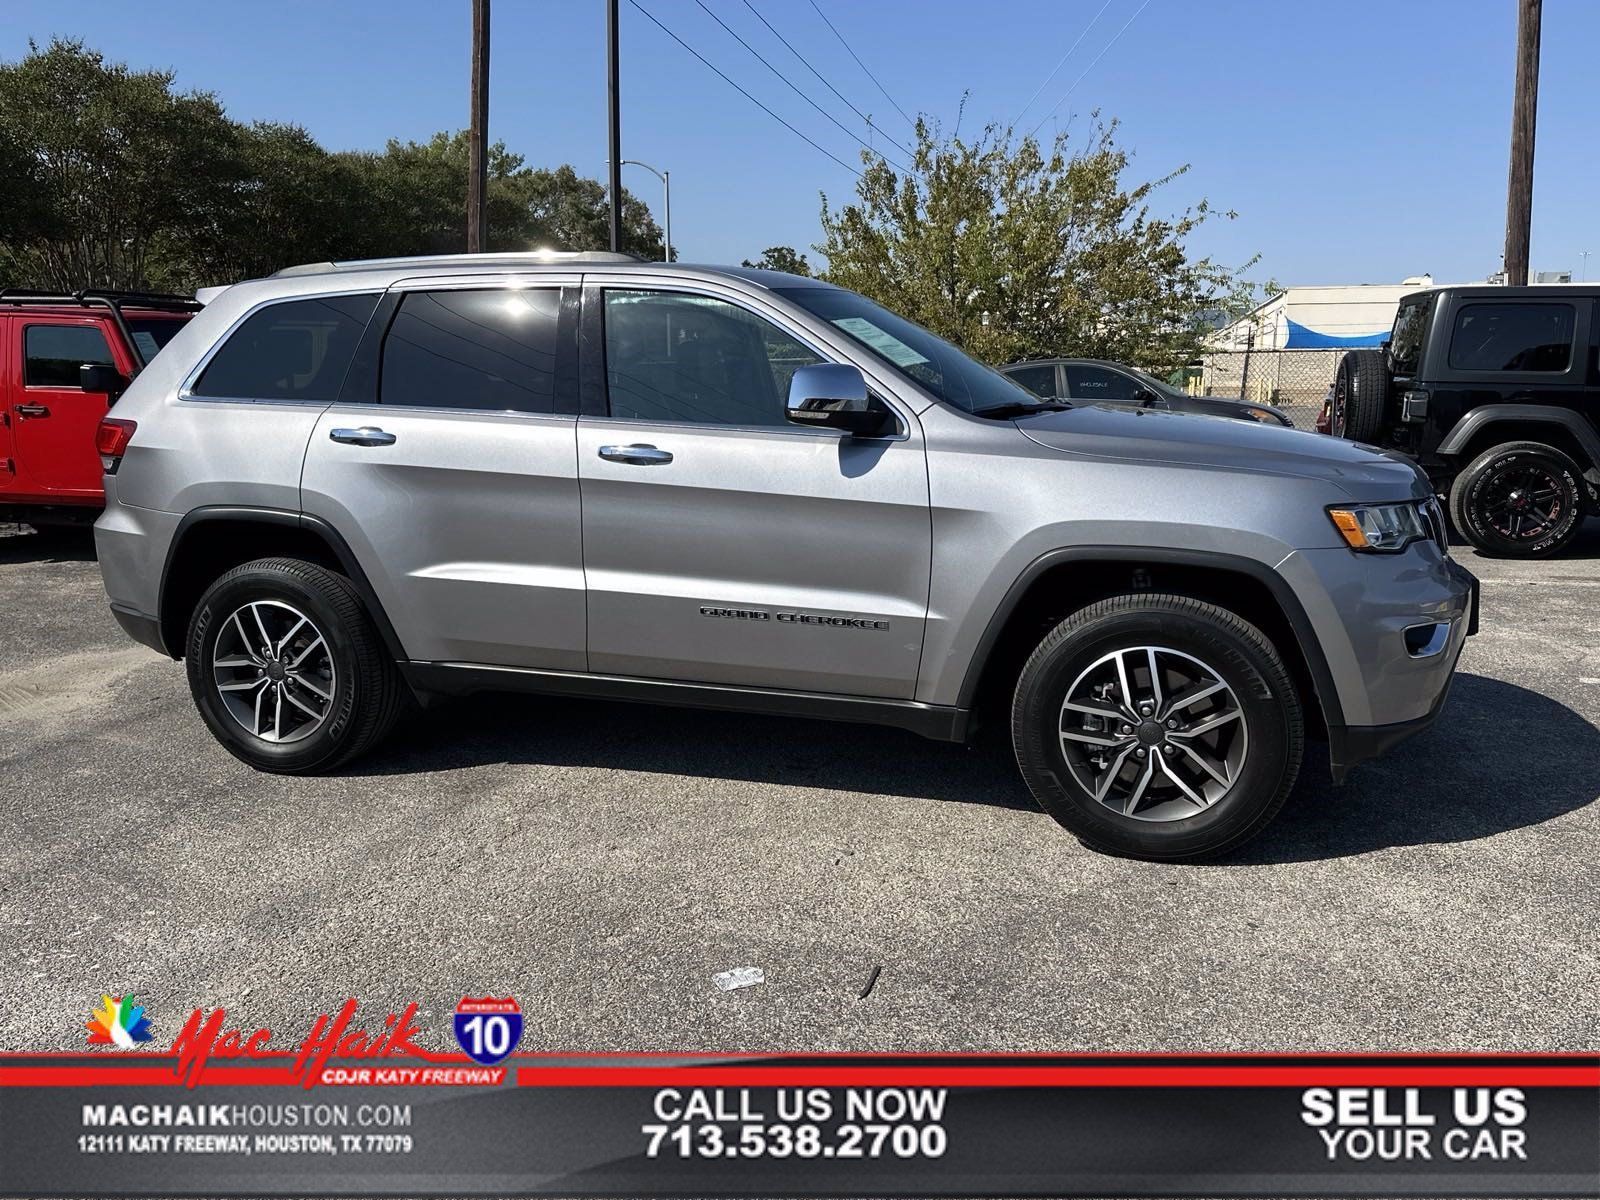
353	484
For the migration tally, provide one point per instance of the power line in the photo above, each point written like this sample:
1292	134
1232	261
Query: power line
1062	61
904	149
742	92
1089	68
862	65
791	86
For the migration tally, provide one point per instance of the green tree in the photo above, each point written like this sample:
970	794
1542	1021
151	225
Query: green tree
114	160
1013	252
782	258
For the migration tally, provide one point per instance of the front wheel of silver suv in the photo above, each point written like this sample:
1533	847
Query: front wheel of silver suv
287	668
1158	727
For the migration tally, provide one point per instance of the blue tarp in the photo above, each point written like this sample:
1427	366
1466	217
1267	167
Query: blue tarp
1303	337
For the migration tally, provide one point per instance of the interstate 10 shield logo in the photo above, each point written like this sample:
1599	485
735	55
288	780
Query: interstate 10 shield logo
488	1029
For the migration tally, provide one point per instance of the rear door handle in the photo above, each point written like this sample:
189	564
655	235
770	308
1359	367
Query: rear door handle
638	455
32	410
367	435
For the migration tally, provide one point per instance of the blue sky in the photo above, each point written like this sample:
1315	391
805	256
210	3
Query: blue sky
1359	141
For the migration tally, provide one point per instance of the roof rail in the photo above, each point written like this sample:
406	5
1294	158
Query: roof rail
509	258
101	296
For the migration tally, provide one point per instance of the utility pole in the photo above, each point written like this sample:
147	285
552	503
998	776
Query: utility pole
1524	112
478	152
613	78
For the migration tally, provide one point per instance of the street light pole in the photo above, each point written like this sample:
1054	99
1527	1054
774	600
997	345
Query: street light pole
478	138
666	201
1583	272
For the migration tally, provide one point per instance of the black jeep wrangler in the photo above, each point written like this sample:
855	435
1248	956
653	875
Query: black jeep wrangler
1494	392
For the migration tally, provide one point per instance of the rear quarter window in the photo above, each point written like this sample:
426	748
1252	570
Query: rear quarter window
294	350
1512	337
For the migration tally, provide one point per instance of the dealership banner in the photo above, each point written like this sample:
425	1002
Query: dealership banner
351	1110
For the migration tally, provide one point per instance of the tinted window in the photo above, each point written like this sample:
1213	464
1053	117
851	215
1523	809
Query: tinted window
152	333
52	354
1405	341
1094	384
1512	337
672	356
491	350
297	350
1041	381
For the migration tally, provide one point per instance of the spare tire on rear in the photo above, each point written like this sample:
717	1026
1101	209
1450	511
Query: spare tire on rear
1360	390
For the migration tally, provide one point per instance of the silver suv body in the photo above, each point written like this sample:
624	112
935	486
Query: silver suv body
737	489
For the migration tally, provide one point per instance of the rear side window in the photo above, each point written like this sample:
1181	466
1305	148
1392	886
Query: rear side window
1512	337
488	350
1405	341
297	350
52	354
1041	381
1097	384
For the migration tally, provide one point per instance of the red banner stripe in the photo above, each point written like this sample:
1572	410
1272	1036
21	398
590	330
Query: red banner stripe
1294	1076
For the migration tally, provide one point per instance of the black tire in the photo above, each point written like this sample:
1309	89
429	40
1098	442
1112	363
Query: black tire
364	686
1360	391
1236	652
1518	500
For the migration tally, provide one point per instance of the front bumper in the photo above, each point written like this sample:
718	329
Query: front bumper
1351	745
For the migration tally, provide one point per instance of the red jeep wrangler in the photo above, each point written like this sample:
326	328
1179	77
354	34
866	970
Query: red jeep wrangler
64	359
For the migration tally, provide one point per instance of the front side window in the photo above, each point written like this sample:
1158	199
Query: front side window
492	350
52	354
1405	340
297	350
1512	337
675	356
1094	385
1040	380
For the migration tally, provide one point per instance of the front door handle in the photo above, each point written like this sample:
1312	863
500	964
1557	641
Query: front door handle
32	410
367	435
639	455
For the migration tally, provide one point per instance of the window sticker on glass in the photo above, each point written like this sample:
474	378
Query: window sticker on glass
147	344
886	344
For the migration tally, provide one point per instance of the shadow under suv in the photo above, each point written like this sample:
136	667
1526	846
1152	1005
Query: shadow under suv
352	484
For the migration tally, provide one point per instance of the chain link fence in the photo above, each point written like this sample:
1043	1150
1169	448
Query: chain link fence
1295	381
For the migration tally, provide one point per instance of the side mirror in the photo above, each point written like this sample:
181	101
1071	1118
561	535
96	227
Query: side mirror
834	396
100	377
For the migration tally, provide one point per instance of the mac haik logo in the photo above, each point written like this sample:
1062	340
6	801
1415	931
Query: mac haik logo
206	1037
488	1029
118	1022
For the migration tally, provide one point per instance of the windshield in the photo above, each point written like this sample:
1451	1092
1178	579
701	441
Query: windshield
1159	385
151	333
928	361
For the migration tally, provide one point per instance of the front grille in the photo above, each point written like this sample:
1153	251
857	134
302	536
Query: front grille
1433	512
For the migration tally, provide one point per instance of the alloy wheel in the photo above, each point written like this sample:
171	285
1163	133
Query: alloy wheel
274	671
1522	502
1153	733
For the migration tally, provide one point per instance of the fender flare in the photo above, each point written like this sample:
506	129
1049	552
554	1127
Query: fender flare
1464	430
324	531
1305	635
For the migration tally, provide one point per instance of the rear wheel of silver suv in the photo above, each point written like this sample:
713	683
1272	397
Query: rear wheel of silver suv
1158	727
288	670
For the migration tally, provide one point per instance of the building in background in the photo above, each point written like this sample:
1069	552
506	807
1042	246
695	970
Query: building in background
1321	318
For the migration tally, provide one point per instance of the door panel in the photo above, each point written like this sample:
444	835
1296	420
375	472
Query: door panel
467	526
10	481
53	421
458	490
765	558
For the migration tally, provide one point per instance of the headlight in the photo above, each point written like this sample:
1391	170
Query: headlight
1380	528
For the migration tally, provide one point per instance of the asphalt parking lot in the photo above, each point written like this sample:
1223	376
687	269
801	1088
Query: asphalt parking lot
601	862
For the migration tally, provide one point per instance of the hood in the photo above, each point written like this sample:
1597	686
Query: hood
1190	439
